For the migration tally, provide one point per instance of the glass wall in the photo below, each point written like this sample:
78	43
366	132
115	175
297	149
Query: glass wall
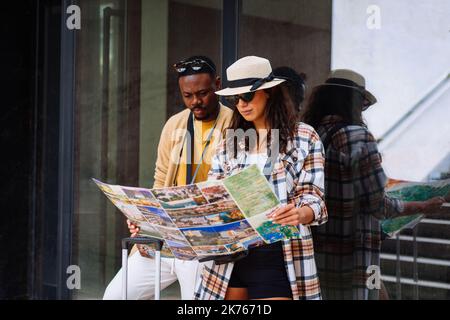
100	110
125	91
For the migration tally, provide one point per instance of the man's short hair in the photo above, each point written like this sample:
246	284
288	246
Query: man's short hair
208	67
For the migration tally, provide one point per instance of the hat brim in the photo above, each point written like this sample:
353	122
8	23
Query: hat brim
370	98
240	90
367	94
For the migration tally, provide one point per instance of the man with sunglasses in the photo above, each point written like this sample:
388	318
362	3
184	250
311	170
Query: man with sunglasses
187	144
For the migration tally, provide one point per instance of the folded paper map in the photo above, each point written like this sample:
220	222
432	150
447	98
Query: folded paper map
205	219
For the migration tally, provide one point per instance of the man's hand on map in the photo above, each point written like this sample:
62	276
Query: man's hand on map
134	229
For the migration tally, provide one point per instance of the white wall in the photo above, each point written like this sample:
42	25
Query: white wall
402	60
416	149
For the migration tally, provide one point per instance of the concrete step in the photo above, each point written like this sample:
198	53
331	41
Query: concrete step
431	228
433	261
426	290
428	269
435	248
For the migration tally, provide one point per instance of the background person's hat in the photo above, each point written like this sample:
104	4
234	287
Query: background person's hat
351	79
249	74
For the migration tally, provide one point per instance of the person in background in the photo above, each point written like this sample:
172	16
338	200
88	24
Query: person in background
355	194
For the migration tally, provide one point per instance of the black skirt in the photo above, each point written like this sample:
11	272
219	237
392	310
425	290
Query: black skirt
263	272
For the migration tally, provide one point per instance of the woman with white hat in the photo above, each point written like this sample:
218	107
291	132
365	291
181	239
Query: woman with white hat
282	270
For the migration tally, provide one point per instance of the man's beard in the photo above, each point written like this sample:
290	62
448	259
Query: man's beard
201	108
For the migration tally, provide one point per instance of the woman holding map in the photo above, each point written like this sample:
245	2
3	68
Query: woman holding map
265	131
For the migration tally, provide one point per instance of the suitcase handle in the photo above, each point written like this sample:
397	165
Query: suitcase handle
141	240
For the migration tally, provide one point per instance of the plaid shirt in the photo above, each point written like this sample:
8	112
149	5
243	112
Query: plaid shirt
298	177
356	201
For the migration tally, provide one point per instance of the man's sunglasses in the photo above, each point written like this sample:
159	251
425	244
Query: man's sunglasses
196	65
233	101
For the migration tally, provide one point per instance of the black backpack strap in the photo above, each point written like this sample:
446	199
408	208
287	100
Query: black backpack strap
330	134
190	148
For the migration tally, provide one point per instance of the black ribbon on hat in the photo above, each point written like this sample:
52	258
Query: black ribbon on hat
254	82
345	83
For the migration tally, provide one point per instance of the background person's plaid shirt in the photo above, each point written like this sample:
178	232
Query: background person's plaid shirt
356	201
298	177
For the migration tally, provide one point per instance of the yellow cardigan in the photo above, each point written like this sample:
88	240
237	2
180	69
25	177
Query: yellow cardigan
172	140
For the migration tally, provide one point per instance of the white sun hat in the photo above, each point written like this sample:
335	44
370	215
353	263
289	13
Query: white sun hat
249	74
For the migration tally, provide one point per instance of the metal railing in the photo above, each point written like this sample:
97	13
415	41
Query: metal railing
415	281
434	93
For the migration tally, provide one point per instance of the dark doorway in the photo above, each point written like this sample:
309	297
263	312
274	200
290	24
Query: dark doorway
17	22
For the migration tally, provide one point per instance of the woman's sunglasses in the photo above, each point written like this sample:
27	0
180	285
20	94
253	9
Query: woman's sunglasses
195	65
233	101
